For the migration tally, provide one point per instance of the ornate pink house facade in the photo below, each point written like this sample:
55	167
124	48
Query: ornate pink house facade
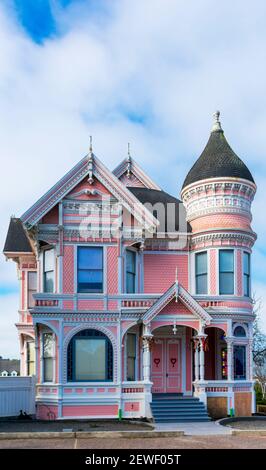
127	294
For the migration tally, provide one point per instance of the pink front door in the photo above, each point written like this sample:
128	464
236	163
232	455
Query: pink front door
166	365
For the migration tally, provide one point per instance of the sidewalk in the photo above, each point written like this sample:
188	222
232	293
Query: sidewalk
195	429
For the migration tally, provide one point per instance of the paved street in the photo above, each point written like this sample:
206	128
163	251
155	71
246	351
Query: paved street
184	442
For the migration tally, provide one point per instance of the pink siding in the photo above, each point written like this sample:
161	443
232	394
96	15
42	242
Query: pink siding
175	307
132	406
52	217
160	271
90	305
131	181
213	272
112	305
112	269
85	185
220	221
90	410
68	270
68	304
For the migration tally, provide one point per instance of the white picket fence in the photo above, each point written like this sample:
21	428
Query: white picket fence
17	393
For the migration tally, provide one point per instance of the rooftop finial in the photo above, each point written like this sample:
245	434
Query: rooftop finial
90	145
216	124
128	160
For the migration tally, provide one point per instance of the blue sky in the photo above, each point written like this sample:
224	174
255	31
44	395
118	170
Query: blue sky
149	72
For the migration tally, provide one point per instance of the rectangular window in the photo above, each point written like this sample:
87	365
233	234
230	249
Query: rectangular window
130	272
201	273
90	269
30	358
246	272
48	357
239	362
90	359
226	272
131	356
48	271
32	288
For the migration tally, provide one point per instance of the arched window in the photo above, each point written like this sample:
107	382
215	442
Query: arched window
90	357
239	331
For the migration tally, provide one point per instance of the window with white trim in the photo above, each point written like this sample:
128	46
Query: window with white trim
90	269
32	287
48	270
131	356
48	357
30	357
130	272
239	362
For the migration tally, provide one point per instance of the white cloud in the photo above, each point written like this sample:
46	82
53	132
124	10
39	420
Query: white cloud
173	62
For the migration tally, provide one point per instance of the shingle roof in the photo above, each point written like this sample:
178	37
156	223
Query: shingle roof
217	160
153	196
16	239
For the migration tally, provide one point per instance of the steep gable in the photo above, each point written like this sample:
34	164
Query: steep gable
131	174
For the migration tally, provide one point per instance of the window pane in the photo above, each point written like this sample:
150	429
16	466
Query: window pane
90	281
32	280
246	285
226	260
130	283
90	258
130	368
48	343
49	281
226	283
239	362
90	359
131	261
201	263
48	369
201	284
239	331
246	263
48	260
131	345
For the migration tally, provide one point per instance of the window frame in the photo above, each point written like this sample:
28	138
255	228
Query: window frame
31	290
201	274
223	250
126	271
244	348
246	275
28	361
134	357
50	357
95	292
48	271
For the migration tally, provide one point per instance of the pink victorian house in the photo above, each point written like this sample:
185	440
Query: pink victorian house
135	304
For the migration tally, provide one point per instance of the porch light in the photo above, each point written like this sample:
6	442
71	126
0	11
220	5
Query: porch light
174	328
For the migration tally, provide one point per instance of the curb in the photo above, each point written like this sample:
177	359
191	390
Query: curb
248	432
90	435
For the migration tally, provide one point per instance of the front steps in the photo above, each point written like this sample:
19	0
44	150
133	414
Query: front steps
175	408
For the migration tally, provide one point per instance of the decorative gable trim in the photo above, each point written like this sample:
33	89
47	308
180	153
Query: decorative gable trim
137	171
75	176
179	292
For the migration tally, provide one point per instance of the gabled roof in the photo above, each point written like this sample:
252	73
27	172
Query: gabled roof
77	174
217	160
17	240
137	171
153	196
177	290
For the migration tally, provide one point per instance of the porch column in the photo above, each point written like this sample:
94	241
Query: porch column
196	358
147	337
202	339
229	342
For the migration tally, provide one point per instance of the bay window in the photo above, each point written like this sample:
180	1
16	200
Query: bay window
90	269
201	273
48	357
32	287
226	272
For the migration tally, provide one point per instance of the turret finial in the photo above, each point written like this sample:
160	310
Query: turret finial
90	151
216	124
90	163
128	160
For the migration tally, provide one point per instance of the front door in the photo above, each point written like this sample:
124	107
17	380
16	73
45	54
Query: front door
166	365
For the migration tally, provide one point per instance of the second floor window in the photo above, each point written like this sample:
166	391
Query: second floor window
226	272
130	272
48	271
201	273
32	287
90	269
246	272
